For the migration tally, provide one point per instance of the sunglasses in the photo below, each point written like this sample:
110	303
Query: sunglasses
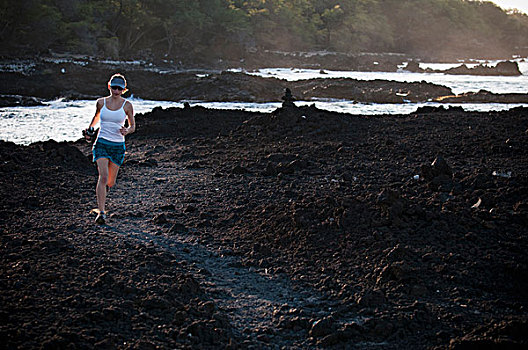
116	88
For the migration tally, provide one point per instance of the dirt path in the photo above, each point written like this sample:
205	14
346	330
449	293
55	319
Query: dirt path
260	305
266	309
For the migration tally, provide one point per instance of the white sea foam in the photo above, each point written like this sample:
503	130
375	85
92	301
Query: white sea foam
64	120
457	83
58	120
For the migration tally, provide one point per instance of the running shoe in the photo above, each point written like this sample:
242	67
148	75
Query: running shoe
100	219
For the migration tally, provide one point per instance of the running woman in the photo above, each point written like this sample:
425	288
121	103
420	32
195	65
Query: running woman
109	147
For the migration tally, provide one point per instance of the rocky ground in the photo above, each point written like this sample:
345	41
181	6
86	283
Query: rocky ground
295	229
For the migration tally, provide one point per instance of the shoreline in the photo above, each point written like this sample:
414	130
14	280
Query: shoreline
83	81
73	130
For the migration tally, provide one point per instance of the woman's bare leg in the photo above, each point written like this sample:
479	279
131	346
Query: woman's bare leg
100	190
112	174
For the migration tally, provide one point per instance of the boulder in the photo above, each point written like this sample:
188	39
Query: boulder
322	327
438	168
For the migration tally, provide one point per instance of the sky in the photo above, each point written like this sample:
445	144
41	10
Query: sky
521	5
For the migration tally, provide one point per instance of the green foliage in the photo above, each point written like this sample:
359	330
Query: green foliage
226	28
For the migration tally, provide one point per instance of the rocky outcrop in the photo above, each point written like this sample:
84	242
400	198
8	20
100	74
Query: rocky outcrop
483	96
505	68
75	81
17	100
48	80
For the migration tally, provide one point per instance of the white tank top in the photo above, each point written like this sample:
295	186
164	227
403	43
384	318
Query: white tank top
111	123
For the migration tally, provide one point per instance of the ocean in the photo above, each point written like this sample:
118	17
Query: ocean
63	120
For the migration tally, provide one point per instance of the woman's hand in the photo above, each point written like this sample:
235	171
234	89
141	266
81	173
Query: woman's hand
89	134
125	131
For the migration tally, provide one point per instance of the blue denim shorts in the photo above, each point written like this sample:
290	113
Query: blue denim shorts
114	151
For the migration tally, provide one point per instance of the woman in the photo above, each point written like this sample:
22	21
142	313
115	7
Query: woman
109	147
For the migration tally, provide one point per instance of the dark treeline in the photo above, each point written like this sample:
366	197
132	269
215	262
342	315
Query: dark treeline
229	29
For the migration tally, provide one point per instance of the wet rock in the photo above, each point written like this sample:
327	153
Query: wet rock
352	329
49	83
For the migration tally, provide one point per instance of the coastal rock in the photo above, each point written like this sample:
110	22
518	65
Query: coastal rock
484	96
414	67
48	82
505	68
19	101
439	109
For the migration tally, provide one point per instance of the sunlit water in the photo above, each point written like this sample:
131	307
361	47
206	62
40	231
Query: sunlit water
64	120
58	120
457	83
